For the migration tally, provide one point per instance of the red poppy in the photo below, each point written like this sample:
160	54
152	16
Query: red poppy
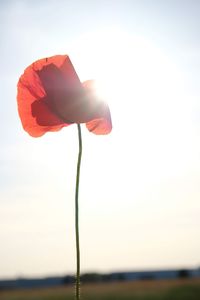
51	96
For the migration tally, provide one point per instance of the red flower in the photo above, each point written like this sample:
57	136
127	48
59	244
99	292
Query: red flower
51	96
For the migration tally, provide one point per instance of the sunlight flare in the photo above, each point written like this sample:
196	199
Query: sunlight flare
126	68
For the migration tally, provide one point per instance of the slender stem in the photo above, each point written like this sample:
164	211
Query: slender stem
77	215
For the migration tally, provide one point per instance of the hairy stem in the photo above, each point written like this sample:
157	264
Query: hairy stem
77	215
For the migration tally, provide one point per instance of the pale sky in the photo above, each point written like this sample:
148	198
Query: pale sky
140	185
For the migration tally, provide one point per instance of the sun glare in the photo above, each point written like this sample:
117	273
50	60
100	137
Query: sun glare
143	87
126	68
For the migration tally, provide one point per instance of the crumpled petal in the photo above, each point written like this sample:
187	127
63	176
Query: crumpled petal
51	96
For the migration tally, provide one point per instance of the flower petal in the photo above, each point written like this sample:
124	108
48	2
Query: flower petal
51	96
41	85
101	122
100	126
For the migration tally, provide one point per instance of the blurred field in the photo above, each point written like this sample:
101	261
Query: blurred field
185	289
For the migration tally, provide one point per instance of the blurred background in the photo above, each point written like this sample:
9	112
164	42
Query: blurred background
140	185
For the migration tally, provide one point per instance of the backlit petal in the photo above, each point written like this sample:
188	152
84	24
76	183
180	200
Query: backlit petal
101	122
51	96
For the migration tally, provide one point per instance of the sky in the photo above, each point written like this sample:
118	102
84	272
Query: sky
140	185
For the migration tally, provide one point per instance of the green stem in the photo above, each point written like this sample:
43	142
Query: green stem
77	215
